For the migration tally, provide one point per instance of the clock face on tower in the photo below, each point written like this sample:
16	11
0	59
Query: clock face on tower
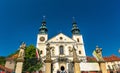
42	39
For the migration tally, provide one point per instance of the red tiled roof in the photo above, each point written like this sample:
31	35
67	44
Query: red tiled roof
112	58
5	69
91	59
12	57
108	59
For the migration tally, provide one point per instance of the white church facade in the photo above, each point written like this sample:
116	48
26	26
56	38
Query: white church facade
61	54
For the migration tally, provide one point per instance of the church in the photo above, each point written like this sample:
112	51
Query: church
61	48
63	54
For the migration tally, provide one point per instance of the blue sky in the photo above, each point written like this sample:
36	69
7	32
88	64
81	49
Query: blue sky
98	21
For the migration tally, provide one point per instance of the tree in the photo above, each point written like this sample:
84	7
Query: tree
2	60
31	63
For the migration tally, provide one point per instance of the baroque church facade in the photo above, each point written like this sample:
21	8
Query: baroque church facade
61	54
67	55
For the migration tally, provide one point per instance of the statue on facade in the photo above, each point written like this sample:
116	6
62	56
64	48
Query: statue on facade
70	51
22	52
75	58
97	53
48	51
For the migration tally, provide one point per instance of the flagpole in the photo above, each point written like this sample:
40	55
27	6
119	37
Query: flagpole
37	54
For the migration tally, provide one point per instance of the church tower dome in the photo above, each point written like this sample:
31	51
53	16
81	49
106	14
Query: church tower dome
43	29
79	40
42	36
75	30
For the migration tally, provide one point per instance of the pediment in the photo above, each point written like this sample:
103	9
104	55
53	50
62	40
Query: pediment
61	38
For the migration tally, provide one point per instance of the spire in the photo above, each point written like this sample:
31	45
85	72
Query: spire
74	22
75	30
43	28
43	21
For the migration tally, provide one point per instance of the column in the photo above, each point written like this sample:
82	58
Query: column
77	68
103	67
76	62
19	66
48	66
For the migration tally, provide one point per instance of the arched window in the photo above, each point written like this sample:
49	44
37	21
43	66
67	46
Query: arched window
78	40
109	67
61	50
79	52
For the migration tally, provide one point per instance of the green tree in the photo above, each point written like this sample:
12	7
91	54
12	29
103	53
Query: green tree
31	63
2	60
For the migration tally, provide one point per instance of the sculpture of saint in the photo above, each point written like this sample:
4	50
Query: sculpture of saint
22	52
97	53
48	51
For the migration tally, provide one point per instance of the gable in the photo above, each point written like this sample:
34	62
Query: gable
61	38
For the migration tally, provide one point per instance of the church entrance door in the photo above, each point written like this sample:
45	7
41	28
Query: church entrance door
63	69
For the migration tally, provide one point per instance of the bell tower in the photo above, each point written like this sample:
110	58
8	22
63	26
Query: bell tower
42	37
79	40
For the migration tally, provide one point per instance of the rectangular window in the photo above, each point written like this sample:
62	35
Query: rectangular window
61	50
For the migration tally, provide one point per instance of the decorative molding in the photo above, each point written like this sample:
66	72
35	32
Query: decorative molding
20	60
48	61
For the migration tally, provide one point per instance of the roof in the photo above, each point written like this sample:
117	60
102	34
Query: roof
61	38
12	57
107	59
112	58
91	59
5	69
